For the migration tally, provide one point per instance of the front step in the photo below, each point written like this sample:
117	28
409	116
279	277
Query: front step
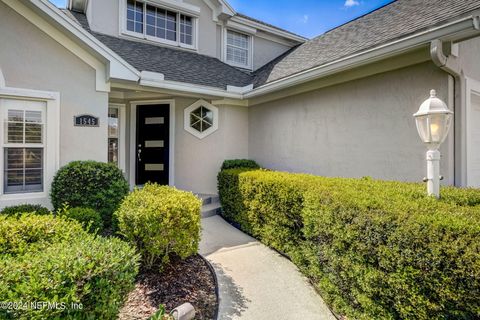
211	205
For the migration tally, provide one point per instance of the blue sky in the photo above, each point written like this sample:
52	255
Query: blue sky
308	18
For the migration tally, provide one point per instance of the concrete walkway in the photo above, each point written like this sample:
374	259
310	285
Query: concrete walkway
256	282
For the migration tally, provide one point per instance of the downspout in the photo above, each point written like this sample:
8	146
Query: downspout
449	63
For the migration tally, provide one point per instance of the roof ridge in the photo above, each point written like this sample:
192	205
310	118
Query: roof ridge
242	15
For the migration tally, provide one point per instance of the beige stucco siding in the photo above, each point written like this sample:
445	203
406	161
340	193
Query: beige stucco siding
197	162
265	51
30	59
360	128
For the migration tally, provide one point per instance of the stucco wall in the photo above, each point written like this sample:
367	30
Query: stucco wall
469	57
197	162
360	128
265	51
30	59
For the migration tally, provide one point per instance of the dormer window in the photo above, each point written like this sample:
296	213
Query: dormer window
238	49
159	24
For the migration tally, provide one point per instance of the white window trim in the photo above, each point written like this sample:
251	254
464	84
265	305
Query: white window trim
186	119
250	49
122	142
472	88
144	36
133	138
51	142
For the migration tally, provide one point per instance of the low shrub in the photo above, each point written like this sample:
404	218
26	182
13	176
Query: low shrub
52	260
90	184
89	218
25	208
373	249
239	163
30	232
160	221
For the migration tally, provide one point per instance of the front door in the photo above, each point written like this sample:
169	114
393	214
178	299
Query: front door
153	128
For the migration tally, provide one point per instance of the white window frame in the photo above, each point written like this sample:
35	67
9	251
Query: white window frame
51	140
122	122
248	66
193	107
161	5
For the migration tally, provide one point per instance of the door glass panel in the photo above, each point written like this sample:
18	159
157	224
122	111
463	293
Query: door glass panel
154	167
113	135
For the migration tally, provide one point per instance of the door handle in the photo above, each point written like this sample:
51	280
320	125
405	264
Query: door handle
139	153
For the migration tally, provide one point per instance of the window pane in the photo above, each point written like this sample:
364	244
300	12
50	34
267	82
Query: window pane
113	122
237	48
113	150
23	170
33	133
14	132
186	29
135	16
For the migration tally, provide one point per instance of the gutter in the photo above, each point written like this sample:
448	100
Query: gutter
457	27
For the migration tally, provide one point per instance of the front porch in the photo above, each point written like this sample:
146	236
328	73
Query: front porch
174	138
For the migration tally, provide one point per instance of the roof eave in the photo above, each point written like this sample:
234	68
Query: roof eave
458	30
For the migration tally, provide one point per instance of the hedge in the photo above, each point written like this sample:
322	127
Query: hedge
373	249
89	184
161	222
239	163
53	260
25	208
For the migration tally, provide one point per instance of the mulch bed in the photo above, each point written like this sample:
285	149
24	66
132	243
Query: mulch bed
182	281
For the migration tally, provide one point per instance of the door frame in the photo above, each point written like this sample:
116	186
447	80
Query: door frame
472	87
133	138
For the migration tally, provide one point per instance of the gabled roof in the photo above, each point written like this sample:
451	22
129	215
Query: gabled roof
386	24
175	65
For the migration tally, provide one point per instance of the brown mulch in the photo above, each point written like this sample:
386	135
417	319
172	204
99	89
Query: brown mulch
182	281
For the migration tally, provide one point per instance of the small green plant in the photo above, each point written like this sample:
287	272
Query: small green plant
25	208
89	218
160	221
239	163
90	184
161	314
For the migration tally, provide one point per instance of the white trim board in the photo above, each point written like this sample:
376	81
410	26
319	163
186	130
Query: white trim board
133	138
472	88
51	145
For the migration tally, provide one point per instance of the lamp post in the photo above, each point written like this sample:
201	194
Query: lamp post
433	123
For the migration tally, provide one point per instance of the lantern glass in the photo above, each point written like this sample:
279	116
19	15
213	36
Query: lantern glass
433	128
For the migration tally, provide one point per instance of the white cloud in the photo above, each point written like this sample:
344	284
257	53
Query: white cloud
351	3
305	18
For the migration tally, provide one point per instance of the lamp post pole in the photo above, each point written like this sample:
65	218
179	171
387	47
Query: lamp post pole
433	123
433	173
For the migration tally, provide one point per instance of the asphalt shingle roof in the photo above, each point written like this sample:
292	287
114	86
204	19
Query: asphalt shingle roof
398	19
393	21
175	65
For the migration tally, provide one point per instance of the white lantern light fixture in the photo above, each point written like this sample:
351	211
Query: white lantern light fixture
433	124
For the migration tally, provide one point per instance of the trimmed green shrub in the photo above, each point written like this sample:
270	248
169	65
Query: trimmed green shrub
90	184
30	232
161	221
239	163
373	249
53	260
25	208
89	218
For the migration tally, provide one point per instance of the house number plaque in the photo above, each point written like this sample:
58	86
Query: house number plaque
86	120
